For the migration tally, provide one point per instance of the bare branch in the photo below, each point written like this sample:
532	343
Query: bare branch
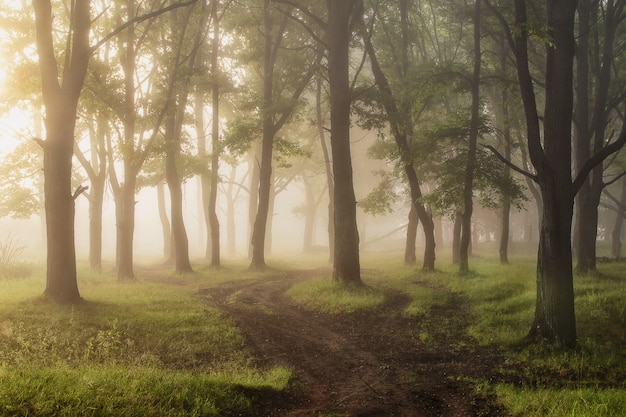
81	189
598	158
139	19
509	163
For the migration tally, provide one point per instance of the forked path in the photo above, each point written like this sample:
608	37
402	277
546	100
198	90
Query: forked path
378	363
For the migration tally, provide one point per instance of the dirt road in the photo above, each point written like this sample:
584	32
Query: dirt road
377	363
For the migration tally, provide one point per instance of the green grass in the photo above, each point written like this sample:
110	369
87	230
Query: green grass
323	294
130	349
153	348
563	402
589	381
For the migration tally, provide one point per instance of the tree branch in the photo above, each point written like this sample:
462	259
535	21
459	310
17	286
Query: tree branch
139	19
598	158
81	189
509	163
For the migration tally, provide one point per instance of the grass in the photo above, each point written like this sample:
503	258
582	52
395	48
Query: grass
153	348
323	294
130	349
589	381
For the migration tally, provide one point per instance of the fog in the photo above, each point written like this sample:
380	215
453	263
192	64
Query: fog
383	232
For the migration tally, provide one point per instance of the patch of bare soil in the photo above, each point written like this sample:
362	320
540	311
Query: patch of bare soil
370	364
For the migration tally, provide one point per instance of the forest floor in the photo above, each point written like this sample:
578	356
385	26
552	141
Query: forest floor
366	364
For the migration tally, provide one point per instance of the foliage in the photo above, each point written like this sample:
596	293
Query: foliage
21	181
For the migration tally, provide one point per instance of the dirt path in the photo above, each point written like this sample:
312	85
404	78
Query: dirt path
367	364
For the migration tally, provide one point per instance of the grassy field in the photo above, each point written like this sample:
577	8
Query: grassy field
130	349
154	348
589	381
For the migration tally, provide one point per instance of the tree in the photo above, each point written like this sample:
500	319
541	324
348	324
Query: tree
595	59
346	267
554	318
468	184
401	128
60	99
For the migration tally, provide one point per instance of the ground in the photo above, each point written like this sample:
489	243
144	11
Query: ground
368	364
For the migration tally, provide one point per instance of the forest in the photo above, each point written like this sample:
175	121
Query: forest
308	208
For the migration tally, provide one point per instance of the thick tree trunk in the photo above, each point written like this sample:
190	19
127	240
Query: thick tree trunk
346	267
555	318
61	280
61	102
126	227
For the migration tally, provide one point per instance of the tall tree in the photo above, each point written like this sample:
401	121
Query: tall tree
60	98
401	126
594	62
346	267
215	140
554	318
468	185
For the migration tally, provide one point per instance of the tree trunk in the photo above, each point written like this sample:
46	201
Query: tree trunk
265	171
616	236
505	126
168	254
588	197
96	171
456	239
468	187
400	137
346	267
328	169
253	201
411	236
172	152
60	102
205	176
215	142
96	200
554	319
125	226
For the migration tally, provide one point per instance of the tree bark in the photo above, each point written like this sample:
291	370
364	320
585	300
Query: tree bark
60	102
346	267
554	318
